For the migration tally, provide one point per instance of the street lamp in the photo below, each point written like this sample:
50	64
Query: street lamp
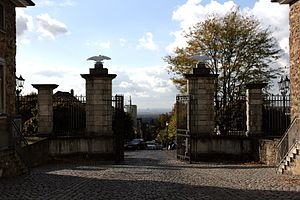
19	86
284	87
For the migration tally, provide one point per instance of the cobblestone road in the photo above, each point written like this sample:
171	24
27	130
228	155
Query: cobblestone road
151	175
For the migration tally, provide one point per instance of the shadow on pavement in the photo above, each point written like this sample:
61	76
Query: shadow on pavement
52	186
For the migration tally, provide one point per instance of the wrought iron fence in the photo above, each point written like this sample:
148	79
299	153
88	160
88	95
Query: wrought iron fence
118	125
276	114
69	115
230	119
182	124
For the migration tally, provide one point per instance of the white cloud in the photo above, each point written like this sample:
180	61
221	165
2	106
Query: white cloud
105	45
24	23
48	27
276	17
123	42
36	72
150	87
191	13
125	84
147	42
271	15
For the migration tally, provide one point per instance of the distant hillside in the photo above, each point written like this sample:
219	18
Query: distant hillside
149	114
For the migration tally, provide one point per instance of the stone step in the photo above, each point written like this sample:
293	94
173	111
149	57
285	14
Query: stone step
286	165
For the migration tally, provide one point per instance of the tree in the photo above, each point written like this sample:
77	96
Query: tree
241	51
28	111
123	125
167	130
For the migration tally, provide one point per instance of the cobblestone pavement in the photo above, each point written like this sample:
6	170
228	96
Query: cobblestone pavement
151	175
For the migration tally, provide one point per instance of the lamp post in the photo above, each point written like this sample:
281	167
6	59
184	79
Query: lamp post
167	140
19	86
284	87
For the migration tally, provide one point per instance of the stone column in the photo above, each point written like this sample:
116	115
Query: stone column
200	86
254	108
99	101
295	59
45	107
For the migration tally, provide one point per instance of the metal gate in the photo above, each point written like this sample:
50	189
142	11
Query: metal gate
69	114
118	126
182	127
276	115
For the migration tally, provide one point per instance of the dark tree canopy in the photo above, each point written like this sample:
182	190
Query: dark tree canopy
241	51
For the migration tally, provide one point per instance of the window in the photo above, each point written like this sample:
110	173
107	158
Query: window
1	16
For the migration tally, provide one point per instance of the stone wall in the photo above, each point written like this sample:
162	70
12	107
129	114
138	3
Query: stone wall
234	148
223	148
268	151
295	58
100	147
8	53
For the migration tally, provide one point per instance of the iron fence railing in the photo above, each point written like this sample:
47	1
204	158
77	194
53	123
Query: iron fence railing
69	115
276	114
230	119
182	127
18	138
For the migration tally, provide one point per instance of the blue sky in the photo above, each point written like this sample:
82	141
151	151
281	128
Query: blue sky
55	37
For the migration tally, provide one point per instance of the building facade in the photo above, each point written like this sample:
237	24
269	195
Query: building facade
8	53
8	63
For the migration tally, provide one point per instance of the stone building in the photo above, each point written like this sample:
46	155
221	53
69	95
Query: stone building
291	161
132	110
8	60
8	53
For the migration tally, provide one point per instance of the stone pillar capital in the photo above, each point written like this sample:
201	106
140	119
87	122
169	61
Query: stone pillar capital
44	86
98	76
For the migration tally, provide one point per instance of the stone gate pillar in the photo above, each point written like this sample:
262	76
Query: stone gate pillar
254	108
45	107
200	87
99	101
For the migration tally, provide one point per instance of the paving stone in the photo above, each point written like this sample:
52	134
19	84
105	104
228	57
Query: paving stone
151	175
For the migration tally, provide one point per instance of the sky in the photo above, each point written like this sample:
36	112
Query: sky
55	38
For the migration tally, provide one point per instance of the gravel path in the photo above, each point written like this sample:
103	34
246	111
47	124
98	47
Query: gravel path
151	175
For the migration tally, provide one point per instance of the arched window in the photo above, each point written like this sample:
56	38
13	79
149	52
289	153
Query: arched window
1	16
